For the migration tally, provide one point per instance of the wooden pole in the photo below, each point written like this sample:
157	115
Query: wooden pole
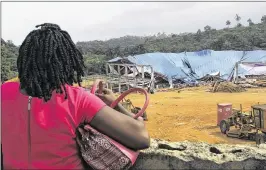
106	69
152	78
111	86
107	75
119	81
142	76
134	74
126	74
236	73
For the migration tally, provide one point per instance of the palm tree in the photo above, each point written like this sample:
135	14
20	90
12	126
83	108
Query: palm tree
228	23
238	18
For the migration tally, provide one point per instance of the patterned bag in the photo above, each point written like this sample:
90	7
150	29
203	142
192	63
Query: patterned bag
101	152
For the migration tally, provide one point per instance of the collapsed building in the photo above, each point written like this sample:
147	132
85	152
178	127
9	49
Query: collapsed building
188	68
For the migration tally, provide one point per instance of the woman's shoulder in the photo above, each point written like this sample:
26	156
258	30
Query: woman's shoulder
9	89
9	85
76	91
75	88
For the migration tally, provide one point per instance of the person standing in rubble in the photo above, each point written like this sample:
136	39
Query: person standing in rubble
41	112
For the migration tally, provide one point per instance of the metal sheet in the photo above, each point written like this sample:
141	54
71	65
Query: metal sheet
201	62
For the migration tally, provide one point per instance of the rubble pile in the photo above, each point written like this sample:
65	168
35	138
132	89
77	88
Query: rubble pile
227	87
253	83
210	78
260	83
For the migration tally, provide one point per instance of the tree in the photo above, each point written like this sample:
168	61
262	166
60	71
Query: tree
238	18
173	35
263	19
10	42
199	32
228	23
198	35
207	28
250	22
239	25
3	42
185	38
226	45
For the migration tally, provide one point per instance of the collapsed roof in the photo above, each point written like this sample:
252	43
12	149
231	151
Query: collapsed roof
195	65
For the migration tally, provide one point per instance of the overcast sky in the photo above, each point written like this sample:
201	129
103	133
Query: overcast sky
104	20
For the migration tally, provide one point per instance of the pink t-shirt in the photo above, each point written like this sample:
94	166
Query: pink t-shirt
44	138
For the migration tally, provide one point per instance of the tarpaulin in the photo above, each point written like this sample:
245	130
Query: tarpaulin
193	65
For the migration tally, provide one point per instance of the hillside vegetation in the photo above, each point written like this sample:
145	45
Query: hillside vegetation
9	54
96	53
239	38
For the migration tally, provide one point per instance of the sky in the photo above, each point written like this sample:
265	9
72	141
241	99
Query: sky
87	21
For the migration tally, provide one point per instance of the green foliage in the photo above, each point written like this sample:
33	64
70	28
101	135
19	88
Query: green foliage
228	23
239	38
207	28
239	25
95	63
9	53
250	22
263	19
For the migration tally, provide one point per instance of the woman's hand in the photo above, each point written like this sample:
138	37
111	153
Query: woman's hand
107	97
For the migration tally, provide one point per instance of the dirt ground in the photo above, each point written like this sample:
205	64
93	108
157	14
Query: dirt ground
191	114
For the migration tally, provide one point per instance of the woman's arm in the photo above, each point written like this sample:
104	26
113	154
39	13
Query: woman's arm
123	128
126	130
108	97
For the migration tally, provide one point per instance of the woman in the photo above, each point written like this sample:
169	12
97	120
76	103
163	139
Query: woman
42	135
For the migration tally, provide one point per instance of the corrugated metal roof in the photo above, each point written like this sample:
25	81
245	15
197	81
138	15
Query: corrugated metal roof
202	62
114	59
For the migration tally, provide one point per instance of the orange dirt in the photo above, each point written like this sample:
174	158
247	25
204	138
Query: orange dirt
191	114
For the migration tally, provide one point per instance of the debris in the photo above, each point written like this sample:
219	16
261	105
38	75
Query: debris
129	106
261	83
215	150
227	87
172	146
236	150
247	85
210	78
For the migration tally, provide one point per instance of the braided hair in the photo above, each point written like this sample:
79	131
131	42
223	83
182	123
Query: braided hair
48	59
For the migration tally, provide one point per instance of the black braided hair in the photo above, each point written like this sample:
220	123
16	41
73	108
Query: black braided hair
48	59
